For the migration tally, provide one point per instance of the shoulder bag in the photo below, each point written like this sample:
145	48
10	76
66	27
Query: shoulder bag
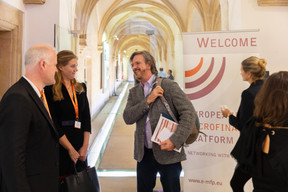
196	126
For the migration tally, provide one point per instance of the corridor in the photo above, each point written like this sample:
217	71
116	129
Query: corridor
196	39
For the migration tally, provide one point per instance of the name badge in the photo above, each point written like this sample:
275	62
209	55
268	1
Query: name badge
77	124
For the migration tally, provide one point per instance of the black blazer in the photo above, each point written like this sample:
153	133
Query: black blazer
246	108
28	142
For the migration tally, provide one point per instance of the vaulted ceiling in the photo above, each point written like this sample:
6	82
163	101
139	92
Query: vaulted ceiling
153	25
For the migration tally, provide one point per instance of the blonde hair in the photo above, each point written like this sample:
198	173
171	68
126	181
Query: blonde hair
256	66
63	58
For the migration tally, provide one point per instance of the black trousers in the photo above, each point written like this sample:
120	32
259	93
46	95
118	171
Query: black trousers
239	179
147	170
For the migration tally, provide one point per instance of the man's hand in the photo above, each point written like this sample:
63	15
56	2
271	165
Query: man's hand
157	92
167	145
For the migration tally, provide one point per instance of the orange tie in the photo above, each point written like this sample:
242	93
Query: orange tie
44	100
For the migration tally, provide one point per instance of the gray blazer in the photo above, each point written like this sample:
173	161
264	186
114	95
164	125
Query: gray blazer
137	109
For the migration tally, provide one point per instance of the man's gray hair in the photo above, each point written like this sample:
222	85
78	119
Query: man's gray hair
36	53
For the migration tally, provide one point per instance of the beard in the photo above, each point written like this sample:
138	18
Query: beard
138	74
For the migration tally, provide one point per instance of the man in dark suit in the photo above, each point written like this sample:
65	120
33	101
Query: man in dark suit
144	108
28	138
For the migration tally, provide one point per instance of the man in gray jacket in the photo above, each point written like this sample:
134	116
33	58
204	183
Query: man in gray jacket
144	108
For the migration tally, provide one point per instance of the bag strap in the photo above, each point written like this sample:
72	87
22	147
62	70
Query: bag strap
80	165
164	101
75	169
271	127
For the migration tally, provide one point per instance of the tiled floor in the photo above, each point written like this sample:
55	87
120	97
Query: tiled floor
119	151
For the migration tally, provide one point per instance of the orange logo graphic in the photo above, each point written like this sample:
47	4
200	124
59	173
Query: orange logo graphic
211	86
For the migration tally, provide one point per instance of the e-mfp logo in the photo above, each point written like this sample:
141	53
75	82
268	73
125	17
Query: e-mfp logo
211	86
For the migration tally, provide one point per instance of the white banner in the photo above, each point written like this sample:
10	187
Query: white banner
212	64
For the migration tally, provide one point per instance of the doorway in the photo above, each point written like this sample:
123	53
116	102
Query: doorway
11	27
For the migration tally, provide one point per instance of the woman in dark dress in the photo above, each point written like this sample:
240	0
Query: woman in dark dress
265	138
253	71
69	108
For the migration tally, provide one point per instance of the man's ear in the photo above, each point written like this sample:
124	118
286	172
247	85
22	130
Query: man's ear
149	64
42	63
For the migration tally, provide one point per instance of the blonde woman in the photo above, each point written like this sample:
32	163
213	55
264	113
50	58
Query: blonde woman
70	112
252	70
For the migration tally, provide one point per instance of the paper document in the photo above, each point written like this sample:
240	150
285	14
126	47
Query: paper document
163	131
164	134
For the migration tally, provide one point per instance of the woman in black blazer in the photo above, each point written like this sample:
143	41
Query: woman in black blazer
69	107
252	70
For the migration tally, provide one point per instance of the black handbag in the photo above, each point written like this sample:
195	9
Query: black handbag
82	181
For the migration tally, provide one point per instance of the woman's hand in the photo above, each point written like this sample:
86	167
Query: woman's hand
226	112
83	153
74	155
